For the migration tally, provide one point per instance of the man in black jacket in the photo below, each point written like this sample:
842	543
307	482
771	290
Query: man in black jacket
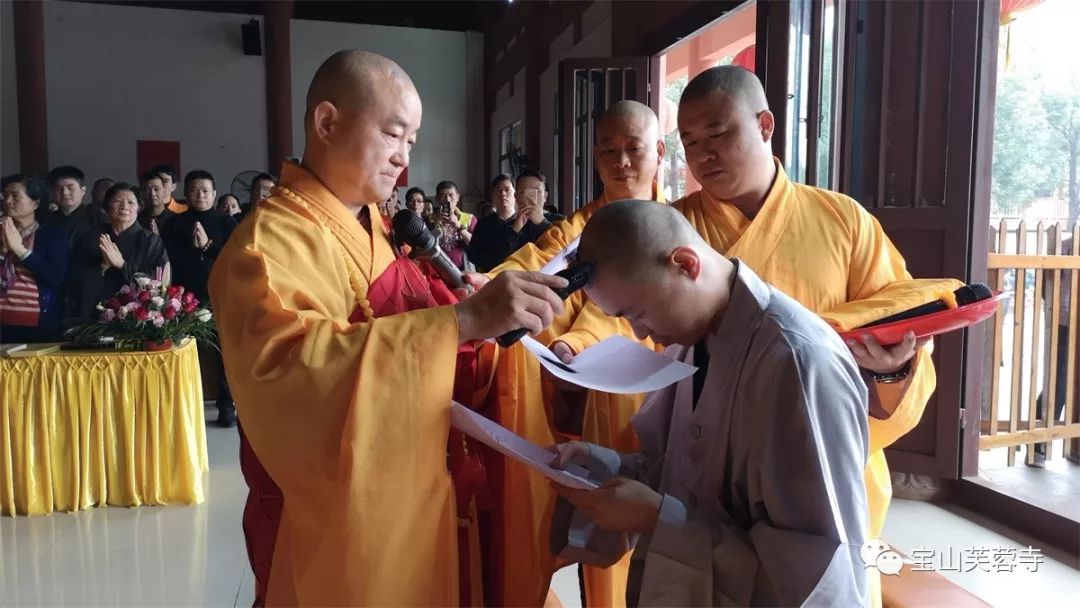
518	219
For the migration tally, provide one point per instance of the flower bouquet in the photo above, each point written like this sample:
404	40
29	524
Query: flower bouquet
148	314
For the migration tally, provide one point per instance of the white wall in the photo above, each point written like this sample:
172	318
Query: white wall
437	63
9	113
117	74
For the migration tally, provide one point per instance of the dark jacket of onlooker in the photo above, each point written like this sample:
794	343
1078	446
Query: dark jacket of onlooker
191	266
495	239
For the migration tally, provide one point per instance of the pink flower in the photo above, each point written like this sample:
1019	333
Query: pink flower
126	290
191	306
157	318
108	315
132	306
174	291
175	303
189	297
141	314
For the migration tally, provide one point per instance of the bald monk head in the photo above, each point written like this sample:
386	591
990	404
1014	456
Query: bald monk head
726	129
628	150
655	270
362	117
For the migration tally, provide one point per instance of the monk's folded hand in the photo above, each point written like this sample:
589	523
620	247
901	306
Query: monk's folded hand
571	452
510	301
873	356
621	505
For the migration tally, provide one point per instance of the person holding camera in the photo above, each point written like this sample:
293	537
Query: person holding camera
455	227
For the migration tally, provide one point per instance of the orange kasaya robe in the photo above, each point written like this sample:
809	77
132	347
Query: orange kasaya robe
824	250
346	408
520	564
176	206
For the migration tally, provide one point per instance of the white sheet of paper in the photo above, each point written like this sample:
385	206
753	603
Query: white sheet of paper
614	365
559	262
520	449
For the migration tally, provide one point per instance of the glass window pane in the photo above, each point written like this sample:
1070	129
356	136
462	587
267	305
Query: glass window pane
828	97
798	89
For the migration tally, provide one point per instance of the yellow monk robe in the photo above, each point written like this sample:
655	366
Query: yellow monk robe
526	502
357	446
176	206
823	249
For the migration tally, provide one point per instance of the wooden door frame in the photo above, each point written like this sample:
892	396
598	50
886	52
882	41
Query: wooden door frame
646	67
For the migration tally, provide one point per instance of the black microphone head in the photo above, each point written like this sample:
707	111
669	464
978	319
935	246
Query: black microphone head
972	293
411	230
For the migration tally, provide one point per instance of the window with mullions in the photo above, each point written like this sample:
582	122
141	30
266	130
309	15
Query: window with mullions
510	146
811	148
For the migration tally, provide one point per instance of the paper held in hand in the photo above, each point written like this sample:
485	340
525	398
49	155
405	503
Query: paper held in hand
614	365
520	449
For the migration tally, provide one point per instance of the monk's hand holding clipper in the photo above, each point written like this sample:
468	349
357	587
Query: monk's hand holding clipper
577	277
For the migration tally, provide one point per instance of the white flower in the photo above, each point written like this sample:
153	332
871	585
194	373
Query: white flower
157	319
99	307
157	302
204	315
155	285
123	312
142	281
131	306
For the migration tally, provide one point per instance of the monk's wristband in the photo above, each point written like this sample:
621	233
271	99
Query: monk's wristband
892	377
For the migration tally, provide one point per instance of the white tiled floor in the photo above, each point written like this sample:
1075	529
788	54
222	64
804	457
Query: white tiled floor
195	556
150	556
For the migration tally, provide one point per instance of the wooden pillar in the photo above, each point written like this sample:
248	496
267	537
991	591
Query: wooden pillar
29	22
277	15
773	40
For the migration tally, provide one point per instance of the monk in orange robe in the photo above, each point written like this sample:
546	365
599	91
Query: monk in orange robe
820	247
310	298
627	155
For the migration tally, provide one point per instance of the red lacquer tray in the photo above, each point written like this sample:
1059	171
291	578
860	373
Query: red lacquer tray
931	324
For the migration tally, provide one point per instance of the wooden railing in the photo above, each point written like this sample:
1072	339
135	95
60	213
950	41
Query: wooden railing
1039	266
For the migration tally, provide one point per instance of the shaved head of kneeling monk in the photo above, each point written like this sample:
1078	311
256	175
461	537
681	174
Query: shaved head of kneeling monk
350	502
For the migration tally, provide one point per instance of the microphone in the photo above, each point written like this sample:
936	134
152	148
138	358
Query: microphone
411	230
965	295
577	277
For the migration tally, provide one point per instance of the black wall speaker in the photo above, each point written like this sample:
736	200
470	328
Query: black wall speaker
252	37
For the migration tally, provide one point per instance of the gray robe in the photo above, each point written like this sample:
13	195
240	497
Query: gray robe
764	501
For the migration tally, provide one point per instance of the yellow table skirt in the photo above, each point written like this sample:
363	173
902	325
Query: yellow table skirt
79	430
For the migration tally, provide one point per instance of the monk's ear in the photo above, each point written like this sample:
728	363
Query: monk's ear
323	117
661	150
767	124
687	260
